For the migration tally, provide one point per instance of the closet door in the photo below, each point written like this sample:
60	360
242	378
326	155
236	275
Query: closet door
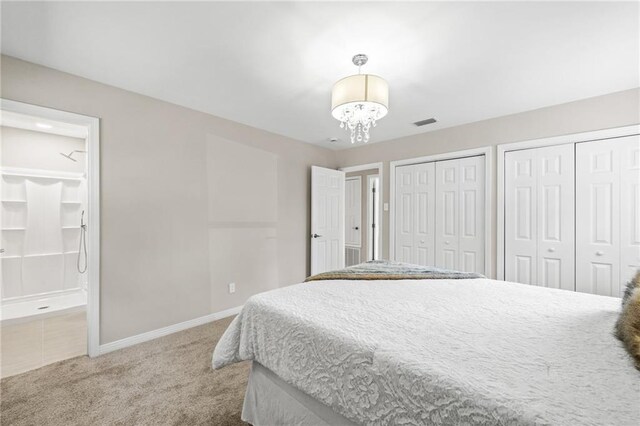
521	248
539	216
447	214
629	207
555	202
598	217
405	213
424	201
472	211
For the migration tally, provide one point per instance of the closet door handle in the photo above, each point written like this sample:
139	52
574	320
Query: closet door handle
599	253
551	250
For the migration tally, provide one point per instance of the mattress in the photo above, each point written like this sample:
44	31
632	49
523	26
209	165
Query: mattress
442	351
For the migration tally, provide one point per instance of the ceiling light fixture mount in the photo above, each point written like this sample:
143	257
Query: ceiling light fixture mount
358	101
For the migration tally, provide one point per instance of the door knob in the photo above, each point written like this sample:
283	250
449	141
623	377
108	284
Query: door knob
356	228
551	250
316	236
599	253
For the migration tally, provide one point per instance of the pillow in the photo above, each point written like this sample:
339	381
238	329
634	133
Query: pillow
628	325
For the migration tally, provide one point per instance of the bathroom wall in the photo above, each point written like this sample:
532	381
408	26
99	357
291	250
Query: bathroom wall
172	239
38	150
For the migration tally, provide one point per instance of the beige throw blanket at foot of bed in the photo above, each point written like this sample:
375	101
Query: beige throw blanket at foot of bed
387	270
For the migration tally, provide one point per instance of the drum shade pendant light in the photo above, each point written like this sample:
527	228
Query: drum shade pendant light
358	101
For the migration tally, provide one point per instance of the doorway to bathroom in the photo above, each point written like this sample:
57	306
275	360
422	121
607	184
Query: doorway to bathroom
49	252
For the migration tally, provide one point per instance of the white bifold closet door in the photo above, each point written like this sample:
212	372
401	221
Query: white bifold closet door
608	214
460	214
539	216
415	211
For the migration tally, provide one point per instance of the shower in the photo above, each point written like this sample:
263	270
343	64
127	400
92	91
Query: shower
70	155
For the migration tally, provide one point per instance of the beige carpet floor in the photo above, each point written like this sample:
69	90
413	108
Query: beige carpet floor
167	381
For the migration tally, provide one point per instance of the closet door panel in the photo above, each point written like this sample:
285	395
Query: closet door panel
598	217
556	217
521	217
424	199
405	214
472	210
629	208
447	214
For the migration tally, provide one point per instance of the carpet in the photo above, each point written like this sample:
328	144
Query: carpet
167	381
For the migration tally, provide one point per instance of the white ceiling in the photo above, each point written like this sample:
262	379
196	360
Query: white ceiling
272	65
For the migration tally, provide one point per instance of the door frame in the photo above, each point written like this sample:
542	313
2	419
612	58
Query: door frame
369	215
487	151
92	124
371	166
359	179
615	132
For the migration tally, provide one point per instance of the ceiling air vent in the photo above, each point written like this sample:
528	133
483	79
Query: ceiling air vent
425	122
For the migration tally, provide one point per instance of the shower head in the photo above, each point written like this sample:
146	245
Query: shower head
70	155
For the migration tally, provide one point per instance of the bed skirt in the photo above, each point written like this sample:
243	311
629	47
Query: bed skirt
271	401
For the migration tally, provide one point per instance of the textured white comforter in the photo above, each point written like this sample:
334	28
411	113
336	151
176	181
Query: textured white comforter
442	351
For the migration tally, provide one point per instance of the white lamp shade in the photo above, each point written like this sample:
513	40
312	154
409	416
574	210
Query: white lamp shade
360	88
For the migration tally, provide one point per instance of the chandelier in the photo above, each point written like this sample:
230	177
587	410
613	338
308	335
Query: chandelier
359	101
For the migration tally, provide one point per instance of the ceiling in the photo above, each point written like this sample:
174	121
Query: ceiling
271	65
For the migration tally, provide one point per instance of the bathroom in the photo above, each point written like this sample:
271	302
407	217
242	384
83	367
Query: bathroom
43	165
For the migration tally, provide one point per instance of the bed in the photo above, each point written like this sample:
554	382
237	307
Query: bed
431	351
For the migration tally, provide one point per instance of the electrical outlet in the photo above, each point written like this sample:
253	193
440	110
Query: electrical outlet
232	288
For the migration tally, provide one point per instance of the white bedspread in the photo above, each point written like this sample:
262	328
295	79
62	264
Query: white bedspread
442	351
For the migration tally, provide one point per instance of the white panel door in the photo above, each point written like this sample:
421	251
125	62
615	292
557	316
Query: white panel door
539	216
520	214
327	219
424	208
556	218
472	210
353	211
405	214
629	207
598	217
447	214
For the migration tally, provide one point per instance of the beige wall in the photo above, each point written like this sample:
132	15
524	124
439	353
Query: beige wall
37	150
172	236
174	233
613	110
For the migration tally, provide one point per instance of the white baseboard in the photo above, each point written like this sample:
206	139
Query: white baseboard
154	334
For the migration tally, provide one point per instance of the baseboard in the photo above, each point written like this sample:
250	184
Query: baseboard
154	334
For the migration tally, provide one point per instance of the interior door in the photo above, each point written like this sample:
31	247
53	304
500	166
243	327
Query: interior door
555	204
598	217
447	214
353	211
521	230
405	213
629	207
327	219
424	207
472	211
